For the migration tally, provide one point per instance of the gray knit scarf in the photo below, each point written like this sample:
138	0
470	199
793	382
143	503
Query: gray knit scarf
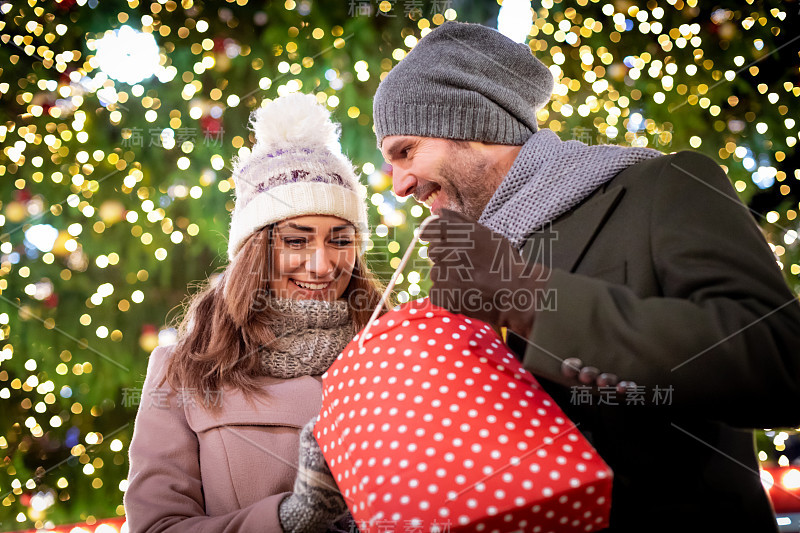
310	335
548	178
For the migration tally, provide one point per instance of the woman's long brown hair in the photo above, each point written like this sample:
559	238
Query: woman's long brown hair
227	321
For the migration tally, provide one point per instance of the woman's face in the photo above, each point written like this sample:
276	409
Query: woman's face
313	257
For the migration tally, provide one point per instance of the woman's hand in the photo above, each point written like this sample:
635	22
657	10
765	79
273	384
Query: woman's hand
316	502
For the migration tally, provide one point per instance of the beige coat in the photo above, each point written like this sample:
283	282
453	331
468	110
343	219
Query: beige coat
191	471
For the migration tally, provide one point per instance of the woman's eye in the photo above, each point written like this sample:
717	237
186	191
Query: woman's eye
294	242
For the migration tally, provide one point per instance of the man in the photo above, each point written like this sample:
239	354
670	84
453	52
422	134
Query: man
639	265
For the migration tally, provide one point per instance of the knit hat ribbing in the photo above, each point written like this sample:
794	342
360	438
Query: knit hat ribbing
295	168
466	82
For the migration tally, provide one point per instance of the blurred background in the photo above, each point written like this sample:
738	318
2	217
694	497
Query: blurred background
118	121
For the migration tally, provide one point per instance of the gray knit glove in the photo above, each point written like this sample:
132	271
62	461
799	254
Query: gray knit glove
316	502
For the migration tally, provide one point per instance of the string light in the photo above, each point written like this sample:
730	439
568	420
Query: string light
117	175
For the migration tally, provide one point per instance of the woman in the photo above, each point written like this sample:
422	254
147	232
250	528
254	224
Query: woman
216	440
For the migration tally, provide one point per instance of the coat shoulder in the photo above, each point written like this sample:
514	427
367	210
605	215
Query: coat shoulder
157	365
682	169
680	162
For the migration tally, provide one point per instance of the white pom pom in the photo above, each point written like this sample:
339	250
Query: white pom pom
294	119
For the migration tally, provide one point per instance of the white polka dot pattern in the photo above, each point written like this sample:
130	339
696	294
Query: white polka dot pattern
435	421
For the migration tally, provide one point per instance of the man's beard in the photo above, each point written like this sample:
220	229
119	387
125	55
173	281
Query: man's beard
469	180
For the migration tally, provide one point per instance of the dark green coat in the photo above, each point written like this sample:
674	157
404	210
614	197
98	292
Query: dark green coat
663	277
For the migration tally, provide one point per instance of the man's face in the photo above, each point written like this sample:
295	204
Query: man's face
442	173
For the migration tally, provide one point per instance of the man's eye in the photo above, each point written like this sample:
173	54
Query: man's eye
342	242
400	154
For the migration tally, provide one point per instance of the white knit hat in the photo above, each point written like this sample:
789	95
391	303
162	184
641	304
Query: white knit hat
296	168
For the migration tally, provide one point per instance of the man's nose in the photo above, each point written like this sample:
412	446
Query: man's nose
403	182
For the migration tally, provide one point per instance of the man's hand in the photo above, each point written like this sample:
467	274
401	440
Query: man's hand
476	272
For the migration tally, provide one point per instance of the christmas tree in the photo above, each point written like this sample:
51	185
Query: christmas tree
119	122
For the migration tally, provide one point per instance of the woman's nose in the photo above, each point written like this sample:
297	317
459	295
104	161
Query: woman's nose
321	262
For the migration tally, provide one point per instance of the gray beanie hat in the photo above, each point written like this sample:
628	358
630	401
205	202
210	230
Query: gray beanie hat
466	82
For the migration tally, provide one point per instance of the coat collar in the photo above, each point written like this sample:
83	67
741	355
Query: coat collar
563	244
289	402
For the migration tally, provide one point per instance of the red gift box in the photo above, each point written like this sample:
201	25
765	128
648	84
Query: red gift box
435	425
